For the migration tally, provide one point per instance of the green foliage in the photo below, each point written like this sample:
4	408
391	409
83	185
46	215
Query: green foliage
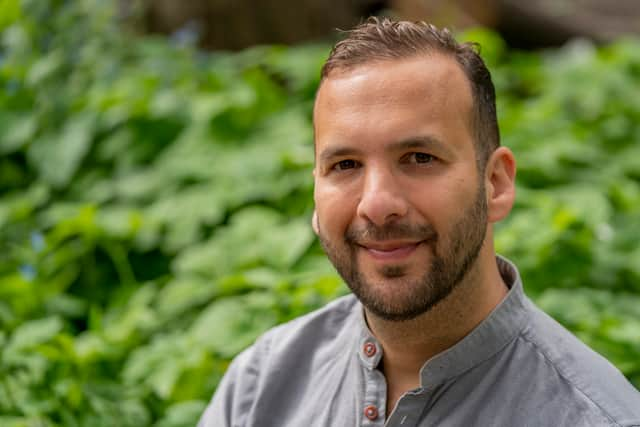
155	205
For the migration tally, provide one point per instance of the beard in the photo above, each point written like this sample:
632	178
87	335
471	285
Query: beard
453	256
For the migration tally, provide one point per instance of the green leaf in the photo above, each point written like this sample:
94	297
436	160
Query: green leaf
58	156
16	129
230	324
183	414
274	241
182	294
35	332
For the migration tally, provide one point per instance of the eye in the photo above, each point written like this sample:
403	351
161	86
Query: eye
345	164
420	158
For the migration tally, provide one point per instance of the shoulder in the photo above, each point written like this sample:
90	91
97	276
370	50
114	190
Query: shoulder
581	371
288	352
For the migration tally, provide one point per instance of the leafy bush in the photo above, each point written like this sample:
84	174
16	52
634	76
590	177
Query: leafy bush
155	204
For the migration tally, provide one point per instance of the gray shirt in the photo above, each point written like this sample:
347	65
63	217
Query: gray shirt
517	368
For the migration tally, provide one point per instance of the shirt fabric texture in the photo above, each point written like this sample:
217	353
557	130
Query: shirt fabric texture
519	367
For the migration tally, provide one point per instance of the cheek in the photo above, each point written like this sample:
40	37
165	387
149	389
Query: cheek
442	202
335	208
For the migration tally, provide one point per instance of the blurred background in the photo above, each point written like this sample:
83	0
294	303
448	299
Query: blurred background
236	25
156	188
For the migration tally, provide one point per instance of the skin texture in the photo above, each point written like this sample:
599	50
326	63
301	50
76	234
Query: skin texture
403	211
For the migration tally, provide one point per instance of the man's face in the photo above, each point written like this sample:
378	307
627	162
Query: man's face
401	210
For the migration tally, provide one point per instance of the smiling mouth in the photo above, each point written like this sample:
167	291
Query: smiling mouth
389	251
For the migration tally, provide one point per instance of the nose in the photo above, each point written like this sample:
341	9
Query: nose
383	199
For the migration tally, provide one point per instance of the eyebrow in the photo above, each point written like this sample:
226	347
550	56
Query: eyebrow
334	152
420	141
414	142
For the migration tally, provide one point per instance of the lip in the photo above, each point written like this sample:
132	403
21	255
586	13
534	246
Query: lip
390	251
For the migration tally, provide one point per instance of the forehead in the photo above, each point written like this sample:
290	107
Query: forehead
422	72
428	91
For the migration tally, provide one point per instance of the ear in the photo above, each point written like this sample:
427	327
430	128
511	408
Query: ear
314	218
500	175
314	223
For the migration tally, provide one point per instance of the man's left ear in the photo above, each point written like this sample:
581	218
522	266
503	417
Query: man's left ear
314	223
500	174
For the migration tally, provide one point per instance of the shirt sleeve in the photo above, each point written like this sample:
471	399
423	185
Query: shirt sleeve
232	401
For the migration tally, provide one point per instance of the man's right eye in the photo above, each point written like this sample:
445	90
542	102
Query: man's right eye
345	164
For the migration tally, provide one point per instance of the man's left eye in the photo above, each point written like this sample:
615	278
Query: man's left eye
420	158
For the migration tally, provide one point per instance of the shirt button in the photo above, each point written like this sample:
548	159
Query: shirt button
371	412
370	349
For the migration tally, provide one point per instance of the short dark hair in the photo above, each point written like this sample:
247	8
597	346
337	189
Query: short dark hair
383	39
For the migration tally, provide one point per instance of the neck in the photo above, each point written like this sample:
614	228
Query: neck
409	344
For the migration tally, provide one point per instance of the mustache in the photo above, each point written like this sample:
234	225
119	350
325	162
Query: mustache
391	231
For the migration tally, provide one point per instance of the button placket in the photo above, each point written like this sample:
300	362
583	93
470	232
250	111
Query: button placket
372	411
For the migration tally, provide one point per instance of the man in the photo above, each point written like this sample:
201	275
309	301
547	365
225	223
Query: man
409	178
